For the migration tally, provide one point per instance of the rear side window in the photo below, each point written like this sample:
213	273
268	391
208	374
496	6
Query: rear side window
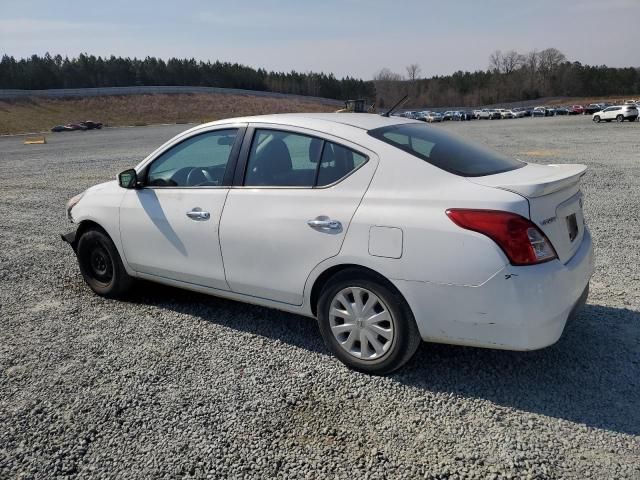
337	162
446	151
281	159
286	159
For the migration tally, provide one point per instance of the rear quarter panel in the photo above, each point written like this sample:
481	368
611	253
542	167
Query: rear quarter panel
412	195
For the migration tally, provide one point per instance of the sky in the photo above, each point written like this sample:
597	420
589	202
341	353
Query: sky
349	37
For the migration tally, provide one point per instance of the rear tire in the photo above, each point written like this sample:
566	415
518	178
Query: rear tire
101	266
387	327
619	119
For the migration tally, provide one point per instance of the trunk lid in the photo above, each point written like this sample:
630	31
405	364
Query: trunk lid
555	201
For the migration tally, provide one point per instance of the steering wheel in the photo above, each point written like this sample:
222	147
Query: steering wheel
197	176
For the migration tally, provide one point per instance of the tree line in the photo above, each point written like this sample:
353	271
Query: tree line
510	76
45	72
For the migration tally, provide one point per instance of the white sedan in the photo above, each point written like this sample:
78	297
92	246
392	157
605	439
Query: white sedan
387	230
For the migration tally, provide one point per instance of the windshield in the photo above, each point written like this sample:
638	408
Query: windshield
445	151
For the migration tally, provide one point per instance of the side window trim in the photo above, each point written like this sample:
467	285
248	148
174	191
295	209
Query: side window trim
229	169
243	157
245	150
317	174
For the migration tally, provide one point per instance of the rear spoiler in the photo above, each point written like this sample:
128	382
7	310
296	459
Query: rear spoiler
535	180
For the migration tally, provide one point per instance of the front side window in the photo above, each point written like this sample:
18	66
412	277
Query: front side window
199	161
287	159
446	151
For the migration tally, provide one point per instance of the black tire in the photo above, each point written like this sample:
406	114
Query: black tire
101	266
406	338
596	119
619	119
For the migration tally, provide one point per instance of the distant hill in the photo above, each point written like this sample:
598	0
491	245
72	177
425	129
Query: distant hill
38	114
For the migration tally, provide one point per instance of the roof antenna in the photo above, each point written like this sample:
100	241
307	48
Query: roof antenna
400	103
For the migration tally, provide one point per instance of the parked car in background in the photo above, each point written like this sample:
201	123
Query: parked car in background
505	113
434	117
495	114
482	114
539	112
420	116
77	126
592	108
561	111
469	115
452	115
385	230
547	111
576	110
523	111
91	125
518	113
619	113
60	128
69	127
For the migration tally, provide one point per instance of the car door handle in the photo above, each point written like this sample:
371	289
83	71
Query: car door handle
324	223
198	215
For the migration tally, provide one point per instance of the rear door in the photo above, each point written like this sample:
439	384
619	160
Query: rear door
293	199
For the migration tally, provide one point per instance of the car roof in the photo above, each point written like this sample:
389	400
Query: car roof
365	121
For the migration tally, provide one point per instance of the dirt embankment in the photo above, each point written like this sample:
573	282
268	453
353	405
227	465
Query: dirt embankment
40	114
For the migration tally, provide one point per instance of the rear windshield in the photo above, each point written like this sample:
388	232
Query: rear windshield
445	151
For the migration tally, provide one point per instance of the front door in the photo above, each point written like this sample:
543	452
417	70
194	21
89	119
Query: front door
292	211
169	228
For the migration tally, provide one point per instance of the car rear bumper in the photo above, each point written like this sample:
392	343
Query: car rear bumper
519	308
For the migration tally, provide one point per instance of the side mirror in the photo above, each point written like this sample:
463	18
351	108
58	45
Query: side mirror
128	178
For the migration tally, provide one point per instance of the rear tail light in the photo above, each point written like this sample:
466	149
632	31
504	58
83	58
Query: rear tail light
521	241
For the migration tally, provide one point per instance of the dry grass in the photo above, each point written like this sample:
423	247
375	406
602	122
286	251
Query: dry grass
587	100
40	114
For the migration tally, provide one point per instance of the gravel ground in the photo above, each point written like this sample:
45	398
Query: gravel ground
172	384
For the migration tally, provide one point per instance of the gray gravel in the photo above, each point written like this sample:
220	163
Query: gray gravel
172	384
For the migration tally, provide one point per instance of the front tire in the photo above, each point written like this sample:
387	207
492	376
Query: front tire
101	266
596	119
619	119
366	323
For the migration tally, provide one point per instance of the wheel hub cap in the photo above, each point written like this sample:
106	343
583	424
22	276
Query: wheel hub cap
361	323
